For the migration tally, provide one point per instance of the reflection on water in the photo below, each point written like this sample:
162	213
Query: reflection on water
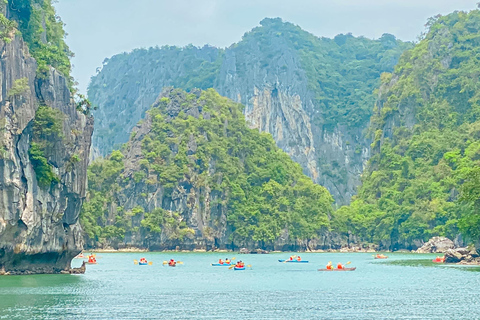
405	286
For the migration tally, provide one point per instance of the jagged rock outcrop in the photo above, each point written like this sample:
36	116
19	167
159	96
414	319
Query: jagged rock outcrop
462	256
39	228
437	245
314	95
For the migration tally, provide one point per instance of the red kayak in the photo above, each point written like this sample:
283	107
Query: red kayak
344	269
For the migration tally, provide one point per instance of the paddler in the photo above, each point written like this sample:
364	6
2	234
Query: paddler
240	264
339	266
91	259
172	262
329	265
227	261
220	261
299	259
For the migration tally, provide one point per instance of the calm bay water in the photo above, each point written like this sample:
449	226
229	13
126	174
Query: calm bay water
118	289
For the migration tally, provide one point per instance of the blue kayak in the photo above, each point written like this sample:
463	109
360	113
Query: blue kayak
221	265
143	263
293	261
237	268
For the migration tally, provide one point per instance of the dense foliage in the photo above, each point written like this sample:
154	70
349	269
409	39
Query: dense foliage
43	31
426	143
261	190
47	130
342	72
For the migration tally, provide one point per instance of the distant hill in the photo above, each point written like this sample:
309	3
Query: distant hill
314	95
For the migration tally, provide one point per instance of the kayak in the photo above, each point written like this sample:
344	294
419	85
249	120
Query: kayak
172	265
90	262
143	263
293	261
381	257
344	269
220	265
435	261
237	268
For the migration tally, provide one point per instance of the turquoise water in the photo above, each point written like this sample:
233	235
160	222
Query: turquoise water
405	286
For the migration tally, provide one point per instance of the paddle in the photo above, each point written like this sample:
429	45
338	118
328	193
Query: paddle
293	257
150	263
135	262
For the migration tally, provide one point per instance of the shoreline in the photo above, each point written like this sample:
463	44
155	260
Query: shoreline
135	250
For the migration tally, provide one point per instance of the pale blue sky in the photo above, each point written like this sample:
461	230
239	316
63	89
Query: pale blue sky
101	28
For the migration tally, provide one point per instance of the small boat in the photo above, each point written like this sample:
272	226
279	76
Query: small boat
80	256
293	261
237	268
90	262
172	265
344	269
143	263
221	265
381	257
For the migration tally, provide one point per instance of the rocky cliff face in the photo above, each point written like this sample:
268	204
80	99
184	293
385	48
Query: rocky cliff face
39	228
314	95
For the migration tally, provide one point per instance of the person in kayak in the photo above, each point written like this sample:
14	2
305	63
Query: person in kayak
440	259
91	259
143	260
171	262
227	261
299	259
220	261
329	265
339	266
240	264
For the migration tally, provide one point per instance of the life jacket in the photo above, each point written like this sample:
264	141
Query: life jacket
227	261
299	259
220	261
329	267
339	266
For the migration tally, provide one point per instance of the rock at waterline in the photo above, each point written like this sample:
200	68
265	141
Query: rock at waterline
437	245
462	255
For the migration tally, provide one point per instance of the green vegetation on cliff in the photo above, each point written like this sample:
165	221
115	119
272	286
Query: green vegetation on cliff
43	32
342	72
47	130
338	75
426	143
194	170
